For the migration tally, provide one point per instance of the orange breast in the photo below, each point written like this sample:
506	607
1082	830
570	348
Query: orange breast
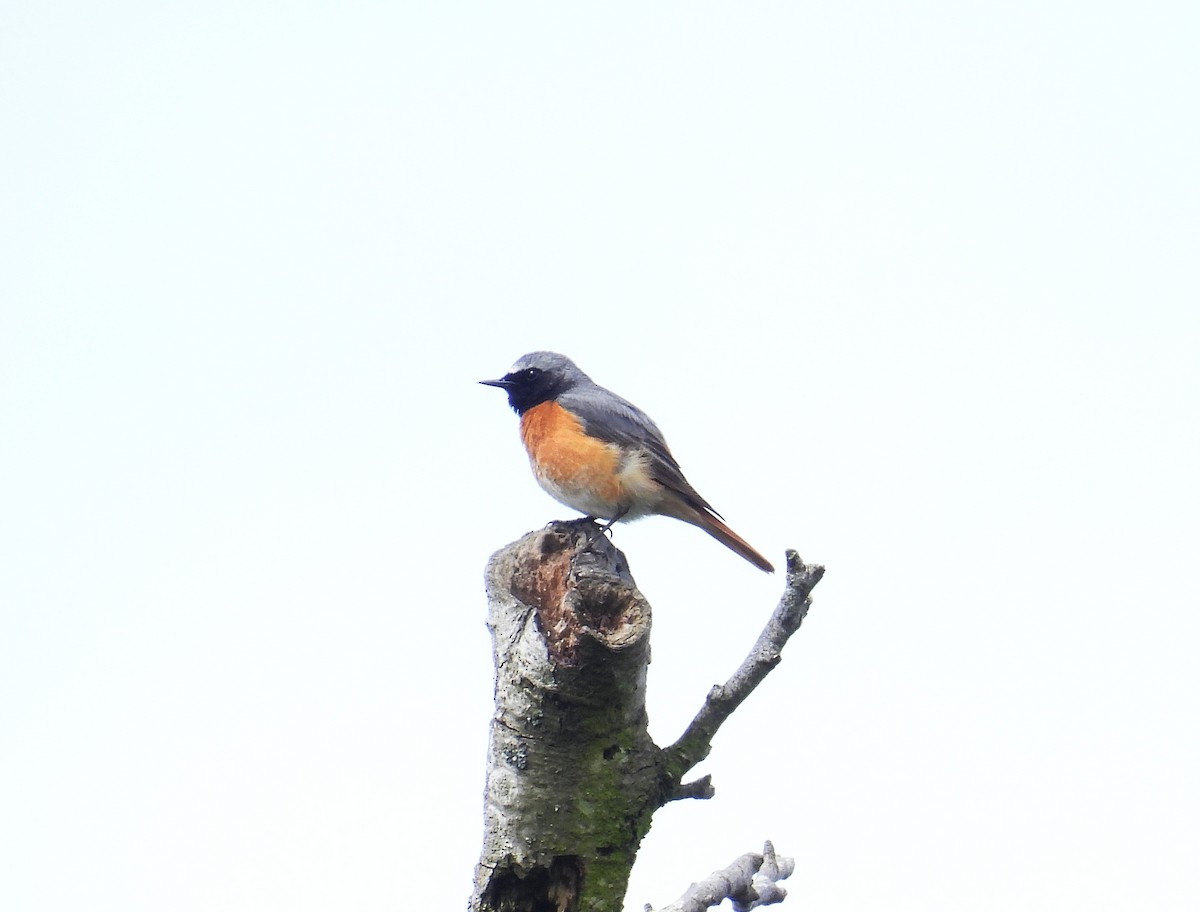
598	479
578	470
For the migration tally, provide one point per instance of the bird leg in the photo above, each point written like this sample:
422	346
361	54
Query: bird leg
601	528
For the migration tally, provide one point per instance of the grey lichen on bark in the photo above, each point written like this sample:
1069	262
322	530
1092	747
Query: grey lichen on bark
572	772
573	775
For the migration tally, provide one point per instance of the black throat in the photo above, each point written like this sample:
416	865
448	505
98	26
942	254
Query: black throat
526	392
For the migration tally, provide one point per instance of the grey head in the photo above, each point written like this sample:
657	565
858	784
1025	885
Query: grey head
539	377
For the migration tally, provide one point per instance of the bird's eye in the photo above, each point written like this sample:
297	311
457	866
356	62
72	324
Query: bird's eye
531	373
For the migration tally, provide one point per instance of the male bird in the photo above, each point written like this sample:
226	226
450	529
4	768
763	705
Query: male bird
602	455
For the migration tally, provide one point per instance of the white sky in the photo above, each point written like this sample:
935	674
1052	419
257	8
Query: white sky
910	288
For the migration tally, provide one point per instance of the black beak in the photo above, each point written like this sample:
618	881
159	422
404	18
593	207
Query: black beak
502	383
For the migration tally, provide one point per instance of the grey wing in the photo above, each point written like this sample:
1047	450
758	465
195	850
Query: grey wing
607	416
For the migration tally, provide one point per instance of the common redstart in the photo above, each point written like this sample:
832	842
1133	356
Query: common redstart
602	455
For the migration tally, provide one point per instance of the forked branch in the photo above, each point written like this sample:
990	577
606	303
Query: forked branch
696	742
750	881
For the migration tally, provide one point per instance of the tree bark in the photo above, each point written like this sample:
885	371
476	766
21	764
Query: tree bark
573	775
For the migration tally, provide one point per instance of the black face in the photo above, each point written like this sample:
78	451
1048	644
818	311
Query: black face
528	387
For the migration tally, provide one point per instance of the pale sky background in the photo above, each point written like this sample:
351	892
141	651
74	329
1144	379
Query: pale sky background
911	288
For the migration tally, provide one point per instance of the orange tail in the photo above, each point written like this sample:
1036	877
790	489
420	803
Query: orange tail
725	535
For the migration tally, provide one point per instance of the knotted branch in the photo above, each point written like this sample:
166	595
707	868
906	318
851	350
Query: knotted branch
571	781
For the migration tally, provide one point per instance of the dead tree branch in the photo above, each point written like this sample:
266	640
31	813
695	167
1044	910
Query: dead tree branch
573	775
749	881
696	742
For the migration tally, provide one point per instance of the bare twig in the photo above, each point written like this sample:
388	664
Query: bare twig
749	882
700	788
695	743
